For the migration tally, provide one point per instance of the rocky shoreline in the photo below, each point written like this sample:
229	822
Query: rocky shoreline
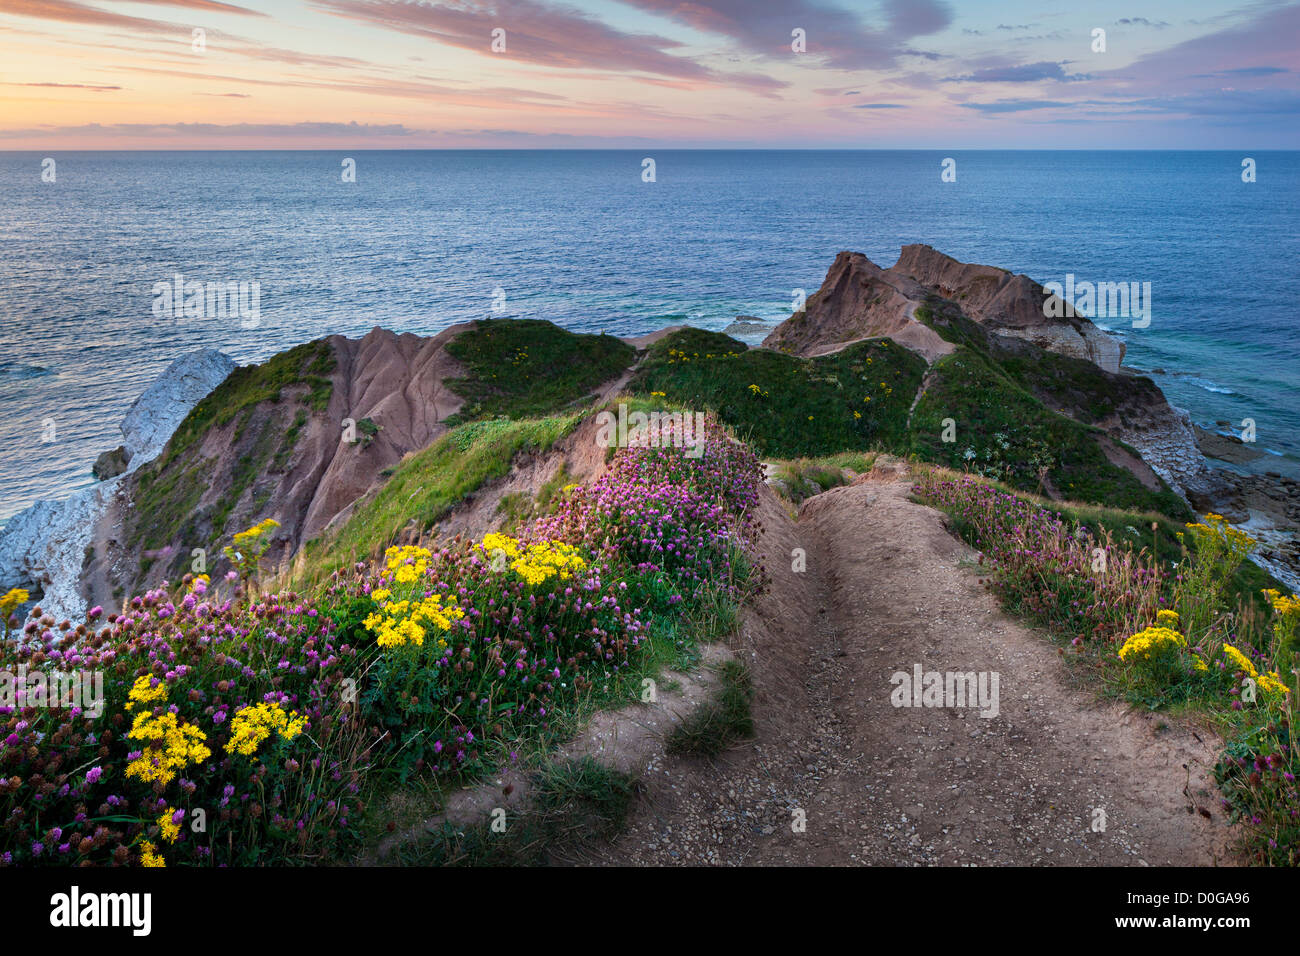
46	545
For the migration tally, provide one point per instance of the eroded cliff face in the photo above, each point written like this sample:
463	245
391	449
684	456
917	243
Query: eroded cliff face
1012	305
860	300
305	442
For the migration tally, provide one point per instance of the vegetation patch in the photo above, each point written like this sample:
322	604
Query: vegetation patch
783	405
528	368
1001	431
722	721
804	477
573	803
425	486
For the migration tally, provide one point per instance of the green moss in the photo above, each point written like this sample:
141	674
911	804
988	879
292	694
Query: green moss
786	406
529	368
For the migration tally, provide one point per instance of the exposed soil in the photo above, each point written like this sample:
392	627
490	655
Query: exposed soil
888	587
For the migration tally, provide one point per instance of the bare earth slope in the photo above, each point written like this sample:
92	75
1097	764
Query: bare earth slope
881	785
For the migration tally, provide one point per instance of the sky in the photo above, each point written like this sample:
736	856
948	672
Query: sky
854	74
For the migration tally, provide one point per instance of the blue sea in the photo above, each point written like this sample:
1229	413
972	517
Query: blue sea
422	239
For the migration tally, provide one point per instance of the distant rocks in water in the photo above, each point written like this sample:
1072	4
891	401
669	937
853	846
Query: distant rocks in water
748	326
1227	448
48	544
110	464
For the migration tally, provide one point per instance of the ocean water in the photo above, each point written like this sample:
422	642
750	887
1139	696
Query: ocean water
423	239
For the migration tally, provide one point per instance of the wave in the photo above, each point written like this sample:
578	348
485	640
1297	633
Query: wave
1205	383
21	370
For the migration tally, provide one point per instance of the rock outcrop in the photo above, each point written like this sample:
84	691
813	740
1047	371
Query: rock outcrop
861	300
48	544
1012	305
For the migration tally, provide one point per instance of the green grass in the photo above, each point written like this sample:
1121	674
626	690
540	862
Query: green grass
574	802
721	722
309	364
1004	432
783	405
528	368
804	477
425	486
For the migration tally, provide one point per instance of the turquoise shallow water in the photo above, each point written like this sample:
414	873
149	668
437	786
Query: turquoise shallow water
423	239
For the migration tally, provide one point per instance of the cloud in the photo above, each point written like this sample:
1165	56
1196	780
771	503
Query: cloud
287	131
211	6
70	11
837	36
1023	73
1015	106
880	106
541	34
1141	22
1244	71
69	86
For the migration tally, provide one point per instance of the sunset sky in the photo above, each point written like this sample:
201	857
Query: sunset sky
93	74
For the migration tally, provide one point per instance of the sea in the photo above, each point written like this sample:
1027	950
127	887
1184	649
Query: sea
341	241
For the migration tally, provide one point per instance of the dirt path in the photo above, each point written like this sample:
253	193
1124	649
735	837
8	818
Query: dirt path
886	589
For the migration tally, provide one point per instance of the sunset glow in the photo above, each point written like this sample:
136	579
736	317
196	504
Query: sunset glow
92	74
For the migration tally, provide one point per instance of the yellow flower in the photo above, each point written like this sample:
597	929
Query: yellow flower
149	855
143	692
171	830
1167	618
254	723
1150	643
11	600
172	746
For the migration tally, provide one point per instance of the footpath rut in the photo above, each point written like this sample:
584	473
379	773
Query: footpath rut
887	587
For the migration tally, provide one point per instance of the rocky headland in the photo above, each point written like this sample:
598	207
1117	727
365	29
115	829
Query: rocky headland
307	436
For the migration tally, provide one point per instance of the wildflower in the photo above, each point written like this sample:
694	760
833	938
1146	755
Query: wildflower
149	855
145	692
169	826
181	745
1150	643
253	724
11	600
